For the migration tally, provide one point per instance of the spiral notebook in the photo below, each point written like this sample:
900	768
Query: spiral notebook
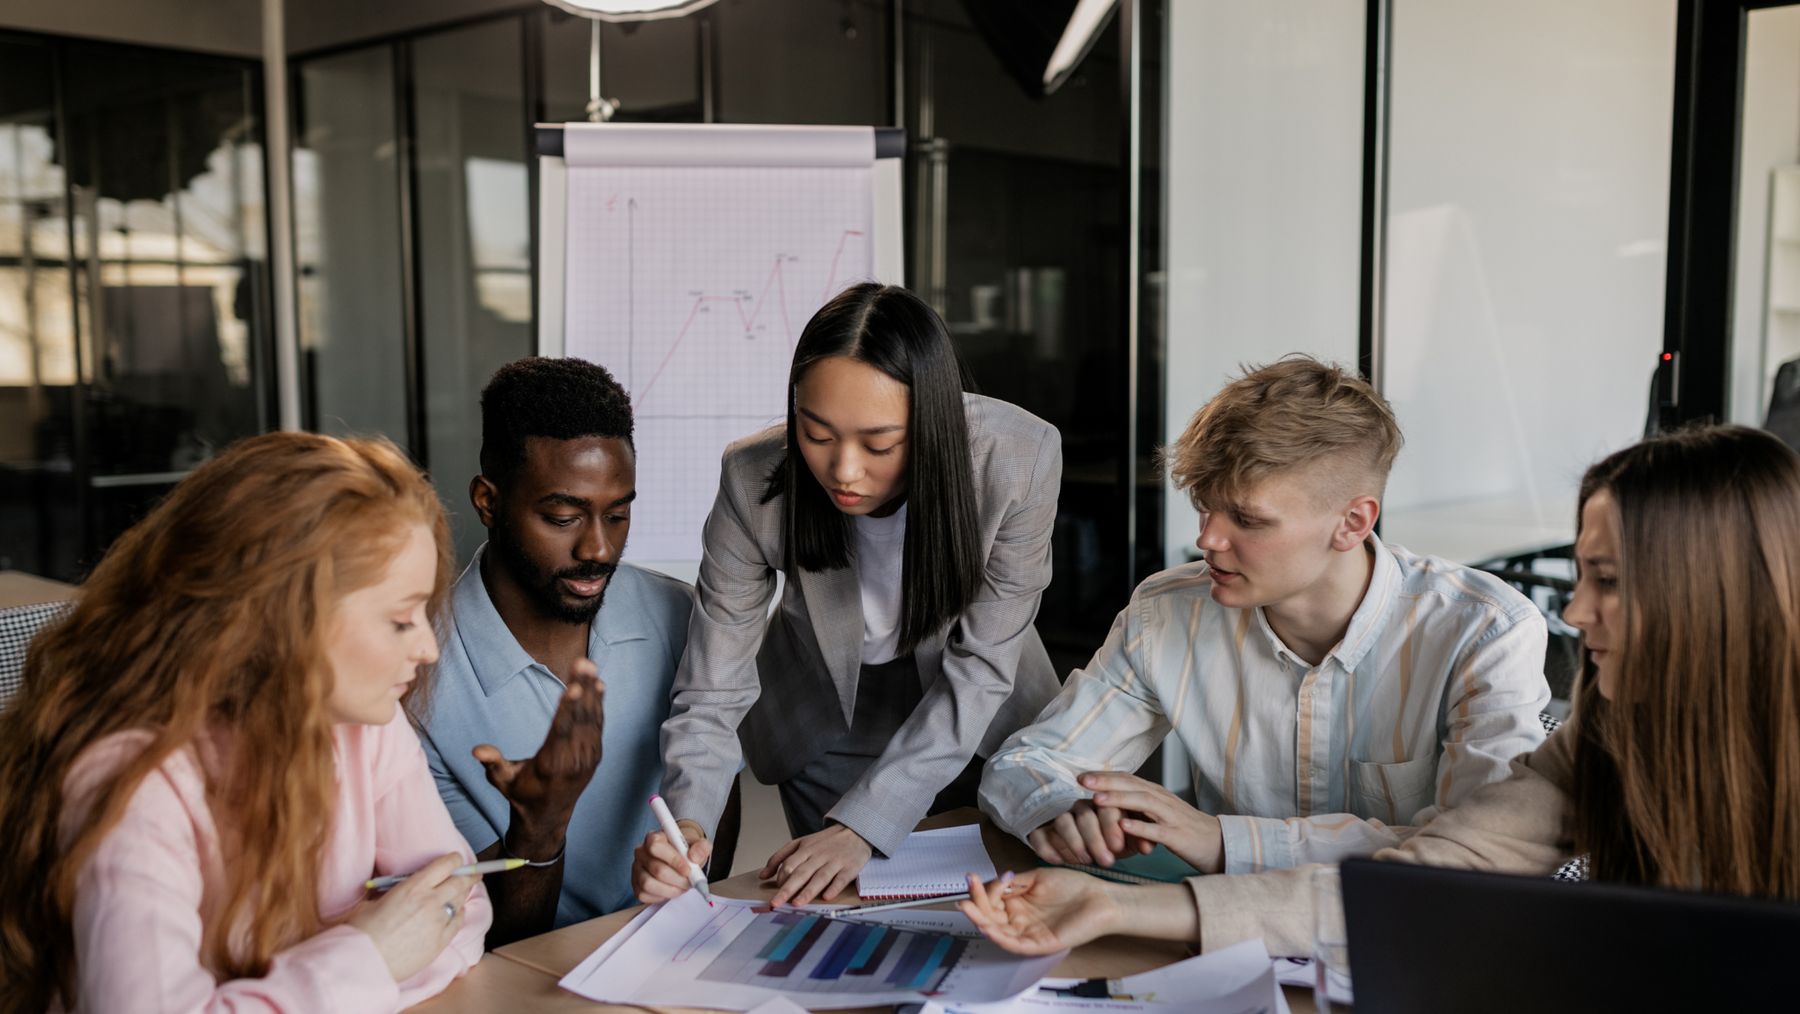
928	864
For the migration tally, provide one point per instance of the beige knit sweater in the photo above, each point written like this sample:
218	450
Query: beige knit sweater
1520	825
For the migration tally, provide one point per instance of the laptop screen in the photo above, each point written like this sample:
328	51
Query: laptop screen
1434	940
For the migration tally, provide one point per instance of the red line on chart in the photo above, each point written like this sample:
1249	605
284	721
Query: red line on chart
747	319
706	932
831	277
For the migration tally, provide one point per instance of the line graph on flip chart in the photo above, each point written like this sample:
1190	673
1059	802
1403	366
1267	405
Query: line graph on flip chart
692	283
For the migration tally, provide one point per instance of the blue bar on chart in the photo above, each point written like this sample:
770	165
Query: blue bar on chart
869	963
805	954
792	950
932	963
847	945
912	959
780	919
859	962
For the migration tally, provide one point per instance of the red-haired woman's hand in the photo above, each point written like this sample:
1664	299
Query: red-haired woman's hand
413	923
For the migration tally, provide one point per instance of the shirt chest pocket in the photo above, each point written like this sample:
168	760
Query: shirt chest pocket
1394	792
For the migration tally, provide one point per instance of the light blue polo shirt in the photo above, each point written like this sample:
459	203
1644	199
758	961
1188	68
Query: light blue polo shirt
487	689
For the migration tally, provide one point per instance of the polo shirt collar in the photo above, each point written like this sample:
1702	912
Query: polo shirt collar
493	651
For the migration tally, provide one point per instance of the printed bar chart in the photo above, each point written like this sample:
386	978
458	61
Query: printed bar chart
735	954
798	952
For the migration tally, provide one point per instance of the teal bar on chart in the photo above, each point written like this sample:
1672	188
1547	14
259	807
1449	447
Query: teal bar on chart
791	939
931	964
861	958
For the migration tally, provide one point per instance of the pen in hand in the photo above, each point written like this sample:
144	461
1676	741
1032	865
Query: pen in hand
474	869
672	831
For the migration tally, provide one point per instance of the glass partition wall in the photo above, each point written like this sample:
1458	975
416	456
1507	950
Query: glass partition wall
133	286
416	230
1523	272
1765	333
1527	210
1486	244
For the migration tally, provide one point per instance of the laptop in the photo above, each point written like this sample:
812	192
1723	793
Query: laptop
1435	940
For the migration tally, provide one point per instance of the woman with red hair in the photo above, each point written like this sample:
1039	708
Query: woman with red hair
209	758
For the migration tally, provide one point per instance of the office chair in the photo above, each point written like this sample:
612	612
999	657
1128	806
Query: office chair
18	625
1562	654
1783	419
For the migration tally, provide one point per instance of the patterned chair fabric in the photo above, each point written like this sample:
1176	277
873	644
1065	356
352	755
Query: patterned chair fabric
18	625
1575	869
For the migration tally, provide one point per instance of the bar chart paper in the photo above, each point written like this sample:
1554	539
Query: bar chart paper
739	954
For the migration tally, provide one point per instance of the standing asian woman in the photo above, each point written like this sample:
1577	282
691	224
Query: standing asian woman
209	758
912	523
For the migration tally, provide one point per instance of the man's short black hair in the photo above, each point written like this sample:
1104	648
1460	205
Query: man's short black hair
540	397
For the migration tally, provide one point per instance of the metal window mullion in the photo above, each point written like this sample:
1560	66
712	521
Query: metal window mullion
1131	35
411	306
531	69
1377	98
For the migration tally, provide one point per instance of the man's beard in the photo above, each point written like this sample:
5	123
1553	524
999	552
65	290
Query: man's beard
542	585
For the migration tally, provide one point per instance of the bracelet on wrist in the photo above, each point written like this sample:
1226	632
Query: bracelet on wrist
506	852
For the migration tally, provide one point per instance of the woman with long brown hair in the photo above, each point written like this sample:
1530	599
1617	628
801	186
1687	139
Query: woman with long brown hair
208	758
1680	767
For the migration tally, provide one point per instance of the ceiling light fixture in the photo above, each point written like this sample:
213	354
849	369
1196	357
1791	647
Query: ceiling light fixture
630	10
1084	27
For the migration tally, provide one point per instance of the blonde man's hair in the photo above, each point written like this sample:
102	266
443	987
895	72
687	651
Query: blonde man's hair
1294	413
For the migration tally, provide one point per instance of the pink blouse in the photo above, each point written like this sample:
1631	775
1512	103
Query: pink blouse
138	904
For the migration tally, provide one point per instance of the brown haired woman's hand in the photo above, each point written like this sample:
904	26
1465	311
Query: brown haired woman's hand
1042	911
413	923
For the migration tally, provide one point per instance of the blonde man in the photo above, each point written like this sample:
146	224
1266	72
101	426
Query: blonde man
1333	692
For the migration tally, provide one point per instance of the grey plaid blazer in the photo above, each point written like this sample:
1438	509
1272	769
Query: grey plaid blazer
783	688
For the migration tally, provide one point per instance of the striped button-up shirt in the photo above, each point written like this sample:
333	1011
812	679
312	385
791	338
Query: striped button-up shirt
1434	688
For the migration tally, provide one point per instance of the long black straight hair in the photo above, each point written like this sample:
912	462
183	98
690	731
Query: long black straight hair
896	332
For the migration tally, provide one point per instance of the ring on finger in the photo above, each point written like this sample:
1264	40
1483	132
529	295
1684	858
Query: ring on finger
449	912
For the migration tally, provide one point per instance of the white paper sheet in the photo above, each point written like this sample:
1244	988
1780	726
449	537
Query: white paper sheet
1241	977
612	943
1299	972
935	921
930	862
1237	980
739	954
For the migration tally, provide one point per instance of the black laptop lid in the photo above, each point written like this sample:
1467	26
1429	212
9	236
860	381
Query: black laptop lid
1433	940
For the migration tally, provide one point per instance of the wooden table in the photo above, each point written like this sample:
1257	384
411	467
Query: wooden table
527	983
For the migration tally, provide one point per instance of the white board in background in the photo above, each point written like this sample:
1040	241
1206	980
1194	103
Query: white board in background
686	259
